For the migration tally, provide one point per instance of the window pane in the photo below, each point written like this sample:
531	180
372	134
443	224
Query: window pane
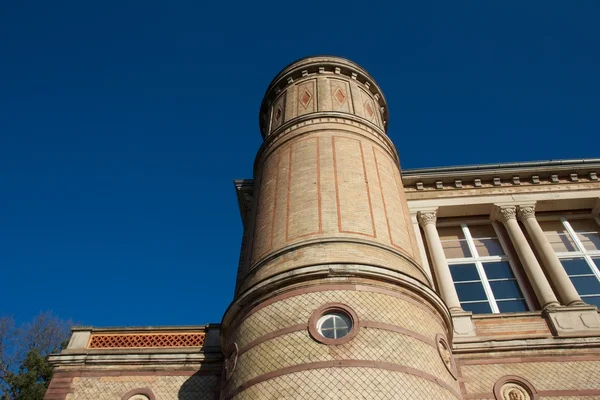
576	266
451	233
586	284
327	324
464	272
454	242
512	306
597	262
329	334
557	236
470	291
498	270
477	308
505	289
488	247
486	241
456	249
587	232
595	300
341	321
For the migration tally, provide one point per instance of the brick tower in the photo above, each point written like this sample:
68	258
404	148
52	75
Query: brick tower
331	299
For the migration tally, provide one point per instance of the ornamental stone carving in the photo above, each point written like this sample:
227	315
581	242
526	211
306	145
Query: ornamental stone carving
231	360
446	354
513	387
425	218
505	213
526	212
512	391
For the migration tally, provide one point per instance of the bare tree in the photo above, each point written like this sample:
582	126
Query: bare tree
23	353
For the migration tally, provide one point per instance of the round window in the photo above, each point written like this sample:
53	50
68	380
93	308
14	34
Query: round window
334	325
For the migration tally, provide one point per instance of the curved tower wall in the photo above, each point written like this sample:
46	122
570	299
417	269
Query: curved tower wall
330	229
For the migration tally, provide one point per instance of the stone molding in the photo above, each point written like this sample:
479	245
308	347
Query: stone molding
502	175
371	130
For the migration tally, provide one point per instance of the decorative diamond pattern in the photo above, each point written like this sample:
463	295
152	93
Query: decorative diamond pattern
138	340
305	98
346	383
339	96
370	344
369	109
278	114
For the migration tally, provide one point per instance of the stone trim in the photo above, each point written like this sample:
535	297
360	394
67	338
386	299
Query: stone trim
143	391
445	351
333	307
330	117
519	360
309	242
342	364
517	380
502	175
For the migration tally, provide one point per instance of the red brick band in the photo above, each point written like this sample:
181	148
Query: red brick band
363	324
342	364
349	287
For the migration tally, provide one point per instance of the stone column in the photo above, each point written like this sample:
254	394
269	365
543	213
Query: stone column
557	274
427	219
543	291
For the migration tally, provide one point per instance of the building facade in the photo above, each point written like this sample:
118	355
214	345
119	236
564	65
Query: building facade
357	281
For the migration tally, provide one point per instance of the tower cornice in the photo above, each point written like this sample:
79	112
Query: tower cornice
310	67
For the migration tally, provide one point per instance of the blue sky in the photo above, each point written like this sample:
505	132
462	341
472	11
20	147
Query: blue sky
123	124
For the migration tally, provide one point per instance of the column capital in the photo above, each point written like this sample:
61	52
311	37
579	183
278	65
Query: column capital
427	217
504	213
525	211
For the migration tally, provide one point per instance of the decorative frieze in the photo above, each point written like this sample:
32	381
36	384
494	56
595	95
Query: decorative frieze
451	183
146	340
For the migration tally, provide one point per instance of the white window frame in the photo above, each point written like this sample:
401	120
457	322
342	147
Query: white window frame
581	251
480	260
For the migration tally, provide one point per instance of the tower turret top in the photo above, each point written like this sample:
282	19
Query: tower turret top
311	68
